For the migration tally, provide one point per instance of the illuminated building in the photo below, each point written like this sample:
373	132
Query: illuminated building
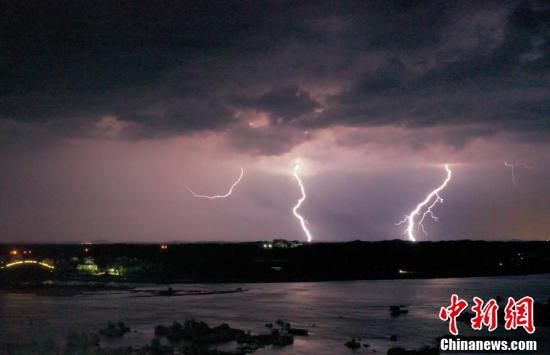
88	266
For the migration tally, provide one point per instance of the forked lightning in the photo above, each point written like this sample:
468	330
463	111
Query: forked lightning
300	201
214	197
421	210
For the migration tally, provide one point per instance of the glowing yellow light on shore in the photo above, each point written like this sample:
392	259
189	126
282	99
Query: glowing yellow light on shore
43	264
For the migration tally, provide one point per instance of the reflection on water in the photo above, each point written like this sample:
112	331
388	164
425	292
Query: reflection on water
332	311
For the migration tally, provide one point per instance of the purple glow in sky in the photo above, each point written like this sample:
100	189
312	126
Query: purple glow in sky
105	109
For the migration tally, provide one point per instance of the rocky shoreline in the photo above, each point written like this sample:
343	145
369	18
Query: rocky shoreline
193	337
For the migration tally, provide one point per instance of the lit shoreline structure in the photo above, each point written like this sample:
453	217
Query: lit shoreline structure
214	197
434	195
26	262
300	201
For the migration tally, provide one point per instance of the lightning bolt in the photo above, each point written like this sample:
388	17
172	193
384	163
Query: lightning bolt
432	197
214	197
300	201
513	166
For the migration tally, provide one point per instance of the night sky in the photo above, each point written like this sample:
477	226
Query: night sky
109	108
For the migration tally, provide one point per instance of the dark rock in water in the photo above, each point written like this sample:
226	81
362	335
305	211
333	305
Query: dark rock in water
172	332
397	351
114	330
397	311
200	335
366	345
247	349
198	332
155	343
422	351
353	344
222	333
393	337
282	324
81	343
161	330
269	325
261	340
276	340
298	331
75	339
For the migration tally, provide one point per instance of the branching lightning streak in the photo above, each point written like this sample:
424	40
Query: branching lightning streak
434	195
299	203
512	167
214	197
512	170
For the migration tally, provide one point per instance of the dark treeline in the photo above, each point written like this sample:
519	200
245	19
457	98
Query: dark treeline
254	262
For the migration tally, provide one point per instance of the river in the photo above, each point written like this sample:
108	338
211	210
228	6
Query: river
333	312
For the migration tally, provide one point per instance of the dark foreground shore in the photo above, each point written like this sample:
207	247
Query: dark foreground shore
274	262
387	317
193	338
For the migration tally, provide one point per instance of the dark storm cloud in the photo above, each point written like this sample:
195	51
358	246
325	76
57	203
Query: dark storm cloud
267	140
506	87
189	114
282	104
175	68
93	46
400	25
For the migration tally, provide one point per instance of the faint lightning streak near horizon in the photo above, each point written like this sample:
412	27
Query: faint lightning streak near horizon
512	167
300	201
214	197
512	170
409	219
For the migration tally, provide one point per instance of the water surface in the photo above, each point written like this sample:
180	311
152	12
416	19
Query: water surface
332	311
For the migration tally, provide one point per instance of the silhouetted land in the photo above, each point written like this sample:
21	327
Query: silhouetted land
254	262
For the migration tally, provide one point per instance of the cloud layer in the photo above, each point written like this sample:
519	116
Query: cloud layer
175	69
105	108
